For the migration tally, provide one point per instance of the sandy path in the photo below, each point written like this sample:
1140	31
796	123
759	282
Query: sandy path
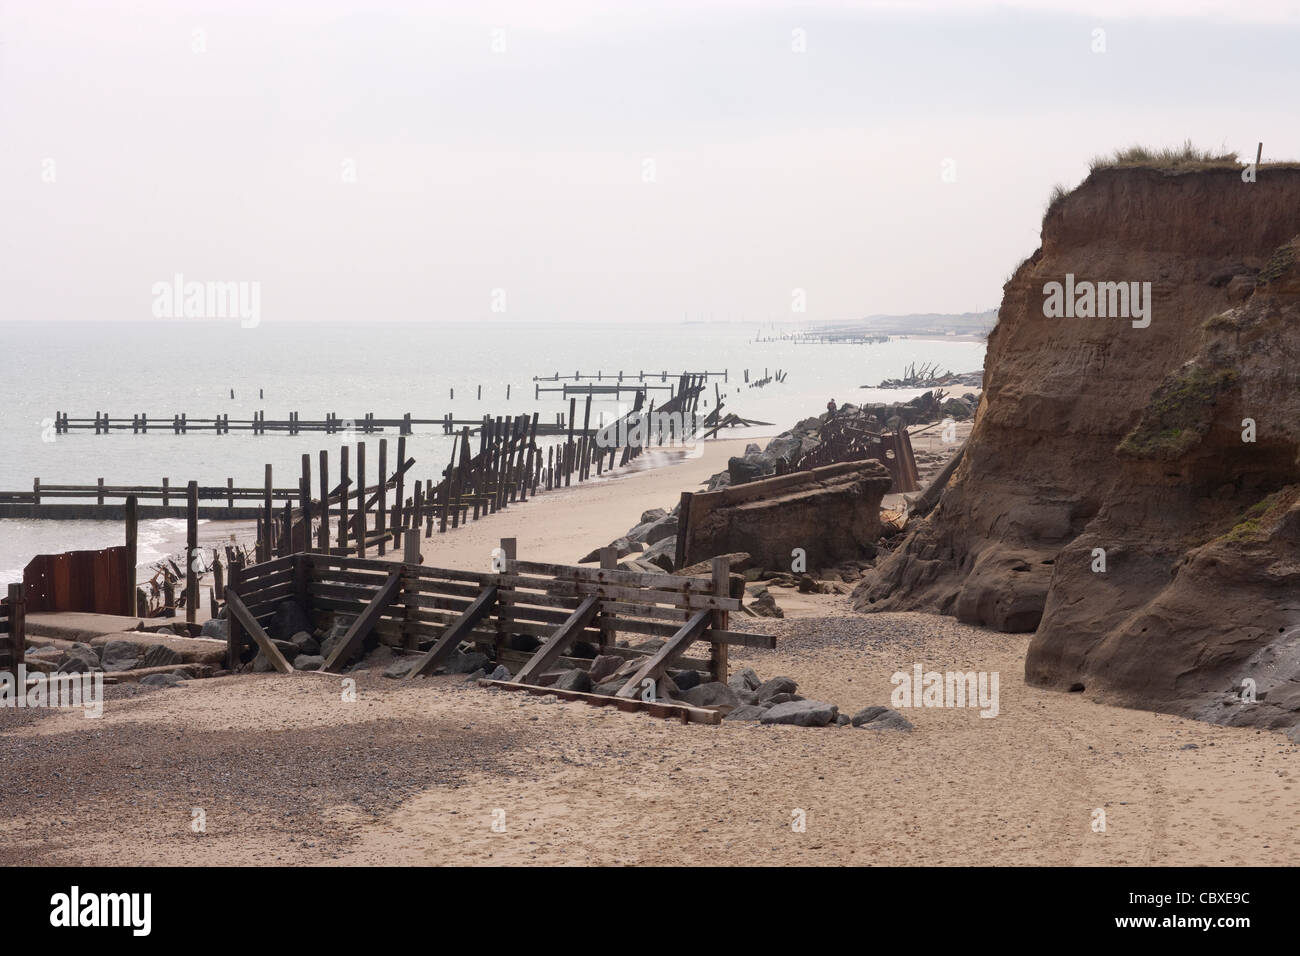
563	525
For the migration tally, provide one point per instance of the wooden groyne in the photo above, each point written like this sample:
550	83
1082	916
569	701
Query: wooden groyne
366	424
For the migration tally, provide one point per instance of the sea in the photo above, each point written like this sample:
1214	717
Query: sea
166	367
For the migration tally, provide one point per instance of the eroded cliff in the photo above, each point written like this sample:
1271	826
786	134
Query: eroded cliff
1103	444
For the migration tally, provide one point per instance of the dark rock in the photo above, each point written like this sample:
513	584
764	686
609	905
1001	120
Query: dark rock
336	632
584	649
744	680
120	656
476	675
401	666
288	620
501	673
603	666
842	720
161	680
777	685
663	553
801	713
764	605
308	662
217	628
715	695
79	659
573	680
609	688
460	663
745	712
305	643
687	679
522	642
881	718
159	655
782	698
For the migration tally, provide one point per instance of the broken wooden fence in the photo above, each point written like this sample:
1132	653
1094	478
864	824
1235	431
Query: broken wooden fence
534	618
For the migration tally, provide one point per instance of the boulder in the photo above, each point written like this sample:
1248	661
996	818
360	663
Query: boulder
401	666
79	659
120	656
744	680
801	713
603	666
308	662
576	680
218	628
662	553
777	685
687	679
714	695
881	718
522	642
460	663
500	673
305	643
764	605
745	712
161	680
288	620
159	655
336	632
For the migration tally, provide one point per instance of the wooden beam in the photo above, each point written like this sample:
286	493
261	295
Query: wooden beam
456	632
662	658
365	621
562	637
239	612
684	712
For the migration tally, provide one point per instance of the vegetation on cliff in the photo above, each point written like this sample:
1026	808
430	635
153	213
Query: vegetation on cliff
1179	414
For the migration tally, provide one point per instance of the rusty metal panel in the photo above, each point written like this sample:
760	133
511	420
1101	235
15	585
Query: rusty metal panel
91	581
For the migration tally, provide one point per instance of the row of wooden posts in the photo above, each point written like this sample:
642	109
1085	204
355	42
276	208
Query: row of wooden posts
509	466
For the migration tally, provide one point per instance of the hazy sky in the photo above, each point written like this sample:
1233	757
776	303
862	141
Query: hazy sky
507	146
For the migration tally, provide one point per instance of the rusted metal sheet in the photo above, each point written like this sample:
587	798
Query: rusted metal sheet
94	581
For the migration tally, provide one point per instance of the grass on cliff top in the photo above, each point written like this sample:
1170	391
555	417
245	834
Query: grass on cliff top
1179	415
1185	157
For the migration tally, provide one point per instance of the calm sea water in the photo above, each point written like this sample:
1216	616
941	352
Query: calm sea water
163	368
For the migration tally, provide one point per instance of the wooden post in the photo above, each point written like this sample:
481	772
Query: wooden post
234	634
344	488
399	521
191	551
230	492
101	491
128	583
721	589
361	499
609	562
304	501
17	629
165	497
381	506
683	529
323	538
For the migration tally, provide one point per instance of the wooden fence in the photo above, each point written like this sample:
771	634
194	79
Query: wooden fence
569	613
13	612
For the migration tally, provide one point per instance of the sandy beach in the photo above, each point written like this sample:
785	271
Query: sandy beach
283	770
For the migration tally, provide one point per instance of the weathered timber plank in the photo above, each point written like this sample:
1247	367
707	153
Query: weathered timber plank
458	631
563	635
367	620
662	658
248	622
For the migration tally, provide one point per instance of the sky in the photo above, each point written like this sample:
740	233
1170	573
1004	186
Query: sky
562	160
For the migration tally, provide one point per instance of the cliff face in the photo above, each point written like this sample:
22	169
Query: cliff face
1098	440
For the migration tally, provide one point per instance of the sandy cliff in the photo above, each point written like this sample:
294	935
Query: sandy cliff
1093	433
